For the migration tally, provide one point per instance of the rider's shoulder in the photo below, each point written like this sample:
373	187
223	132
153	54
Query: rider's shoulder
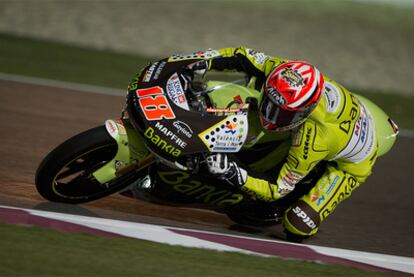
333	100
313	133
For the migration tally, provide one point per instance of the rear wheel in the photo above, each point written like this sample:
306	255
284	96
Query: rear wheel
65	175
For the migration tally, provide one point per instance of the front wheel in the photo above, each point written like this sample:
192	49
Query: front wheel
65	174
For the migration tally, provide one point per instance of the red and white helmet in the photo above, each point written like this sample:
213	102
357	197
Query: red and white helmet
291	92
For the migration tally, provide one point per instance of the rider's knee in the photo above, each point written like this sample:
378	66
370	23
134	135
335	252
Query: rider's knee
301	219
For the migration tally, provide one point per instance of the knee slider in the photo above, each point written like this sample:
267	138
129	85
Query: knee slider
302	219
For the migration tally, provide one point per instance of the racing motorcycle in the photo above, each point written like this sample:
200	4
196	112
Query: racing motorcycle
156	151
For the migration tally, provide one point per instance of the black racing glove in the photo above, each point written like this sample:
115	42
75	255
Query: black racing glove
225	169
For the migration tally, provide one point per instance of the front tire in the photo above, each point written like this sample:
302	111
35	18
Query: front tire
65	174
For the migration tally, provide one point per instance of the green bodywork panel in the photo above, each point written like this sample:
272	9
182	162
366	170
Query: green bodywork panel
386	135
131	148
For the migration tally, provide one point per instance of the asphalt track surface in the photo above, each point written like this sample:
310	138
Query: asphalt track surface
34	119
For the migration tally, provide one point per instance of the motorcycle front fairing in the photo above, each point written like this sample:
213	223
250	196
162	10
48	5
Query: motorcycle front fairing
176	123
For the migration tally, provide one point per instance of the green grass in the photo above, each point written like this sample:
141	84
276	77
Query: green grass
391	17
38	58
27	251
33	57
398	107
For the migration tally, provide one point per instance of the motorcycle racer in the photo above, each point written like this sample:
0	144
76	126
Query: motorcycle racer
323	139
328	123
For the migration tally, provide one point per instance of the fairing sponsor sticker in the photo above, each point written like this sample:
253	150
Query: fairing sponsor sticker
228	135
149	72
115	127
183	128
176	92
171	135
110	126
153	72
151	135
196	55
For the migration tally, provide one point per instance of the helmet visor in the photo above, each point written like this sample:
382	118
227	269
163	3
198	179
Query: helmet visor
278	119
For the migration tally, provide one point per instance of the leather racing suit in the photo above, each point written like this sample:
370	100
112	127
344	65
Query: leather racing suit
340	131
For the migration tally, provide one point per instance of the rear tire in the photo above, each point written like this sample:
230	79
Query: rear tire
65	174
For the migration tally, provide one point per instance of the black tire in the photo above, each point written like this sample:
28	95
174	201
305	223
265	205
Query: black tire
65	176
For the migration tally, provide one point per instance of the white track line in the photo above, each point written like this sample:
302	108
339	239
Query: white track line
167	235
407	133
62	84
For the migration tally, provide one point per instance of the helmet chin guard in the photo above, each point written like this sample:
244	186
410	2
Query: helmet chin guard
292	90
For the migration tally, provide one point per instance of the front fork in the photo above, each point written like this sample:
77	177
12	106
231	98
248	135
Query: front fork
132	154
